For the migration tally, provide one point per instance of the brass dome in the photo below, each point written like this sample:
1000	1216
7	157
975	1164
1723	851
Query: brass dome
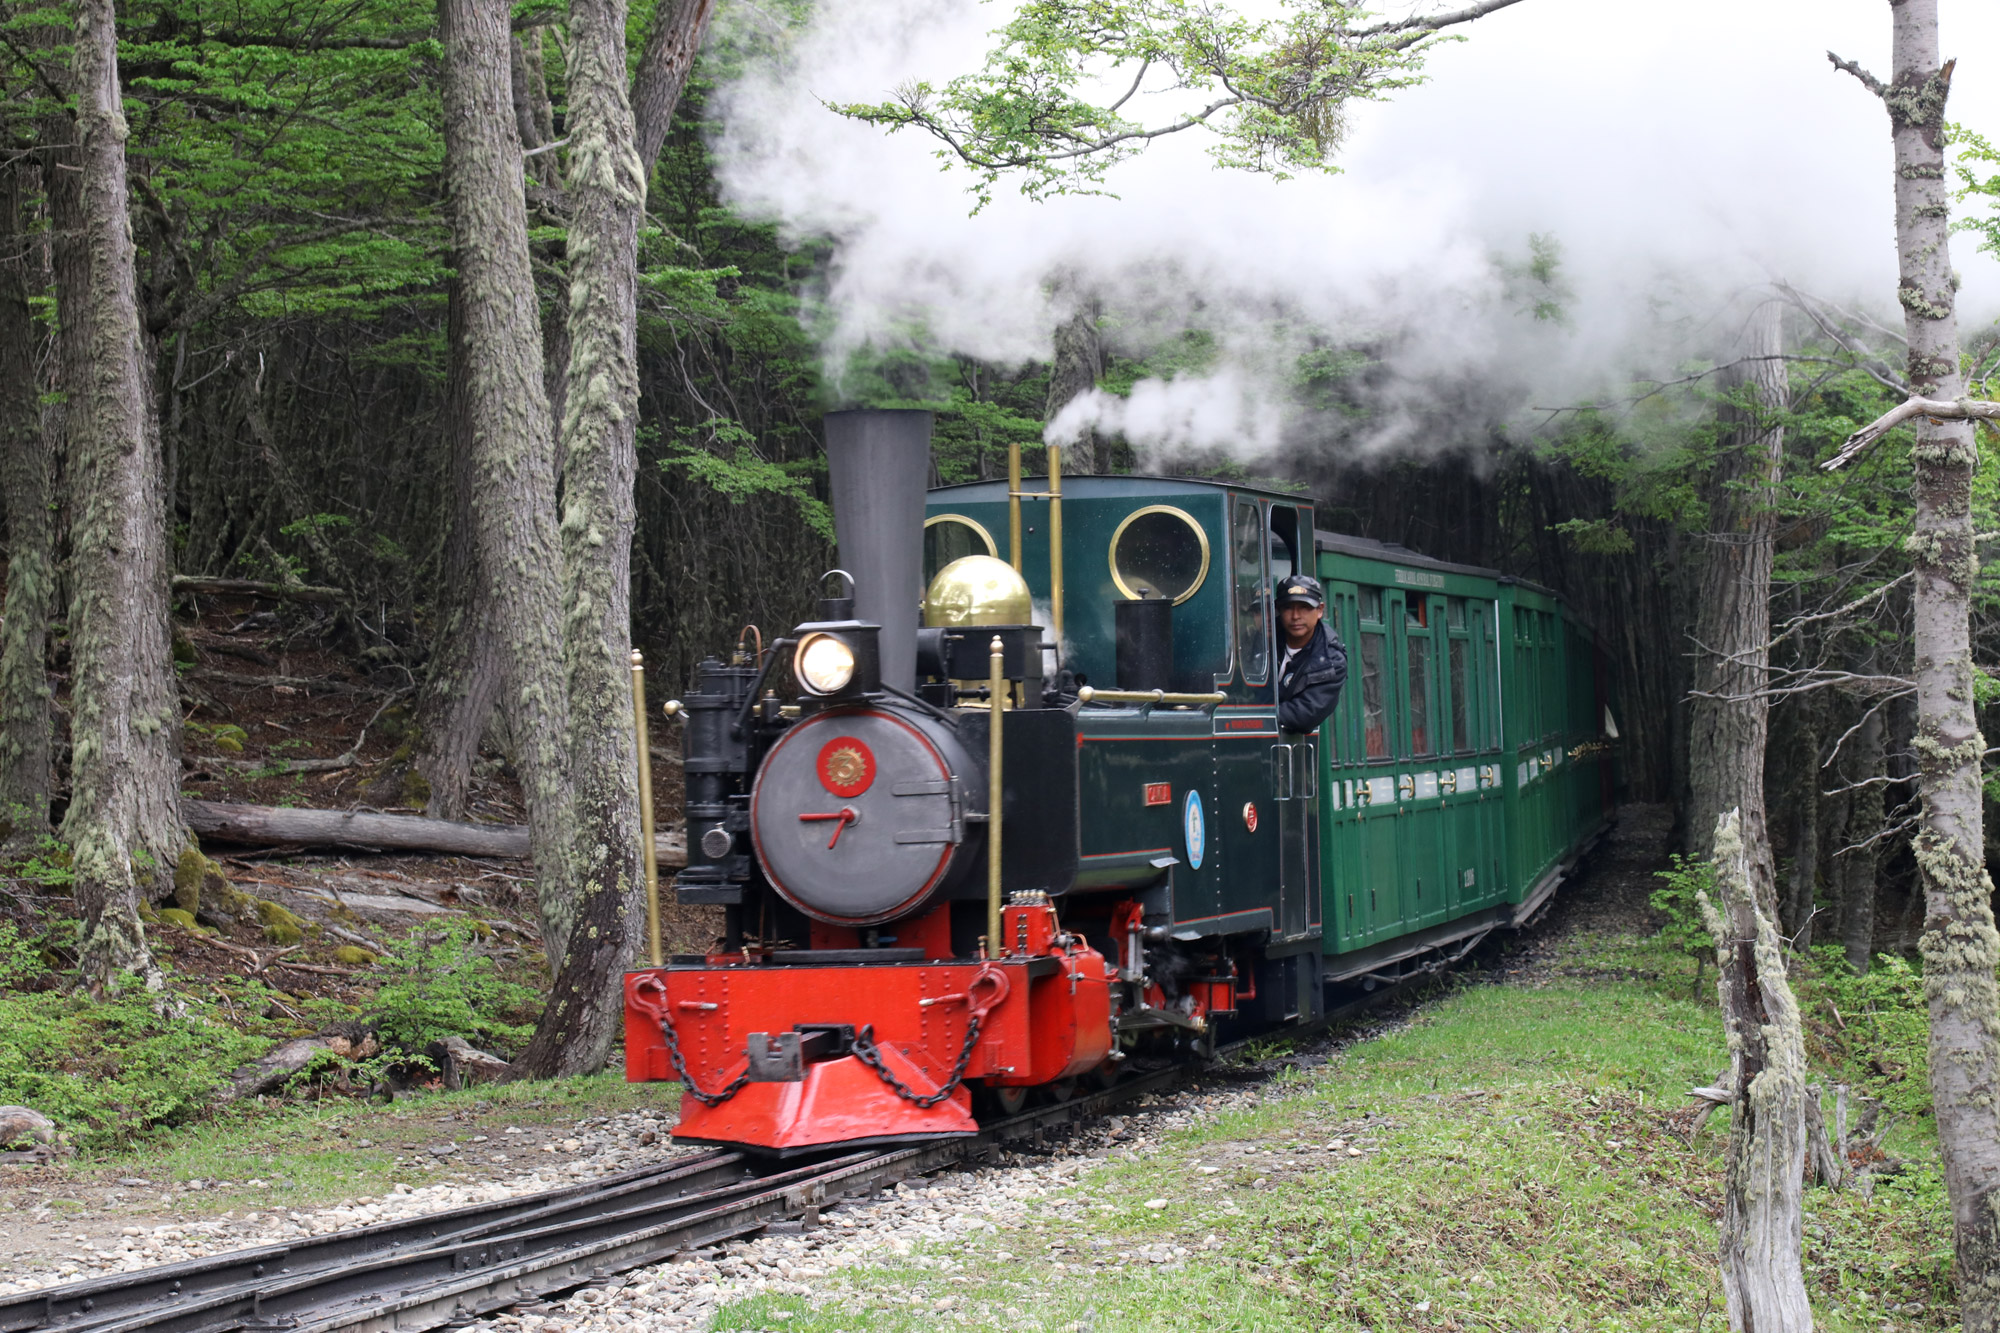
977	590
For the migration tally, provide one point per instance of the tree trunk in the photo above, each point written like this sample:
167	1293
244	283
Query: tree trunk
1855	894
607	191
27	486
1075	368
283	826
1959	946
1729	717
664	65
124	824
1796	919
465	676
1763	1278
507	420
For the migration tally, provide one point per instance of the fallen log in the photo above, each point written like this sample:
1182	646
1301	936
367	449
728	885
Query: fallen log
278	592
264	826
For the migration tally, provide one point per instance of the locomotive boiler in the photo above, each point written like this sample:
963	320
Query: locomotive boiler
988	827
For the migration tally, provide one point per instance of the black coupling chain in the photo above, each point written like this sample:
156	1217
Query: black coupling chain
871	1055
688	1084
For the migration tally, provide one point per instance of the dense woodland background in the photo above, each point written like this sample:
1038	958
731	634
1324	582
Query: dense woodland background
286	182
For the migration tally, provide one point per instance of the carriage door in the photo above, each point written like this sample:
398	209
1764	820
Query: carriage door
1294	759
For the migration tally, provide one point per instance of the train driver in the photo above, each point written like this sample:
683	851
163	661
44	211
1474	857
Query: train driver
1314	666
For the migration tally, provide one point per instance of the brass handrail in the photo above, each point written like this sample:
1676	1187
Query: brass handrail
995	792
649	853
1090	694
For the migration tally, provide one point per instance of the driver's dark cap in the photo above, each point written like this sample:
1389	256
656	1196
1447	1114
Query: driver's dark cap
1301	588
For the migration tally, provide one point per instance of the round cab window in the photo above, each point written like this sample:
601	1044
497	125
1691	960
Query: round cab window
949	537
1159	551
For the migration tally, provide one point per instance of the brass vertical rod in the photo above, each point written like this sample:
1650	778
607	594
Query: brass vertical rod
1014	504
995	791
1055	543
648	852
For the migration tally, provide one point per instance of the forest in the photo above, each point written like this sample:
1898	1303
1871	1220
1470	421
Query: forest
376	377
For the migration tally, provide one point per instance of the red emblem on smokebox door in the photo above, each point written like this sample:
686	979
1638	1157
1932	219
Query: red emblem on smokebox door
1250	815
846	766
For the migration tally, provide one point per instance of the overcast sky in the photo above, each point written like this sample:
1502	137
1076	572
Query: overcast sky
1669	145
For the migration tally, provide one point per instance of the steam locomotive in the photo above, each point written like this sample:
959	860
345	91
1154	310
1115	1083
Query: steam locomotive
991	826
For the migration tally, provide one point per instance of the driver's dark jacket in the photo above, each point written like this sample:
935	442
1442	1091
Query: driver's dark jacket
1310	687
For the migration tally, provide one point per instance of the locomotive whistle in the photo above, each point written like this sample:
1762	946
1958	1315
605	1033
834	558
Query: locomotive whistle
649	855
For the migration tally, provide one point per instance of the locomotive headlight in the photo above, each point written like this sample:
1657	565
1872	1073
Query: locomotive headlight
825	664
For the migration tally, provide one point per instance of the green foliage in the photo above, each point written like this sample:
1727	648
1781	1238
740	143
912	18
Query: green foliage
1597	536
48	865
1537	284
1978	169
441	985
1271	89
1875	1027
316	523
743	473
1678	899
106	1069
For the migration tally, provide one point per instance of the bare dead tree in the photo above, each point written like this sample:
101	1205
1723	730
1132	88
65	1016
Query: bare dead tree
1762	1242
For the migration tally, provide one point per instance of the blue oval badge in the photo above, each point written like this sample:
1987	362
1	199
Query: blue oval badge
1195	825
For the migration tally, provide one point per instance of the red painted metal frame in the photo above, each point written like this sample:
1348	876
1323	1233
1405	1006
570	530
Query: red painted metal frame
1053	1022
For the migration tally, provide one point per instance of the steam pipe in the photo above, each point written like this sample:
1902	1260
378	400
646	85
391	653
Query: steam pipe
1014	504
1055	544
649	853
995	791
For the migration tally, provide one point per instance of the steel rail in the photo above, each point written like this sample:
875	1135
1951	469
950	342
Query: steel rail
422	1273
79	1305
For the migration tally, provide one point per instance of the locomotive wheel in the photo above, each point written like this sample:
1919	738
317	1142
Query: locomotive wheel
1104	1077
1058	1092
1004	1100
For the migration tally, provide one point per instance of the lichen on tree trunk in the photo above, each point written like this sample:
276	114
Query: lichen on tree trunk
606	188
1959	945
27	483
506	417
124	825
1763	1278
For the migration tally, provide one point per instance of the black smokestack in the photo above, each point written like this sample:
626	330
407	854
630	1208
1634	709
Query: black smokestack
879	466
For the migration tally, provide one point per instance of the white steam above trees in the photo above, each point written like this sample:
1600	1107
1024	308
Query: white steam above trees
1678	153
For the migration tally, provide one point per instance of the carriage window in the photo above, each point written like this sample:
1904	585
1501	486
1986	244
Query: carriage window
949	537
1374	725
1461	691
1253	628
1488	675
1455	613
1371	604
1159	551
1418	611
1422	741
1284	543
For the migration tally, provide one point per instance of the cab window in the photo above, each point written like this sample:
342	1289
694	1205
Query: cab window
1253	625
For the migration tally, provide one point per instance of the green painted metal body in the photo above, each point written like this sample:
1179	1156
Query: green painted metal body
1461	768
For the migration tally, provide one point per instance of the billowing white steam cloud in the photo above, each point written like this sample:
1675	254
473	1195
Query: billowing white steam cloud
1678	151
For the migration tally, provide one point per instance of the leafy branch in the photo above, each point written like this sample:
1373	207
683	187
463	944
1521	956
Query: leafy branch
1273	91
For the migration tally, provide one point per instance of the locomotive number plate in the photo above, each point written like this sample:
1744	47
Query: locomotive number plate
1159	793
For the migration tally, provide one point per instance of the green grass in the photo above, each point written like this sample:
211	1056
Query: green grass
310	1154
1519	1170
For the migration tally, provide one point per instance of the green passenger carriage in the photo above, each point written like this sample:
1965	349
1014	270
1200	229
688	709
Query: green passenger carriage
1464	769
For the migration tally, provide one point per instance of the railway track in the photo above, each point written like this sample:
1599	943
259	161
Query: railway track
447	1268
